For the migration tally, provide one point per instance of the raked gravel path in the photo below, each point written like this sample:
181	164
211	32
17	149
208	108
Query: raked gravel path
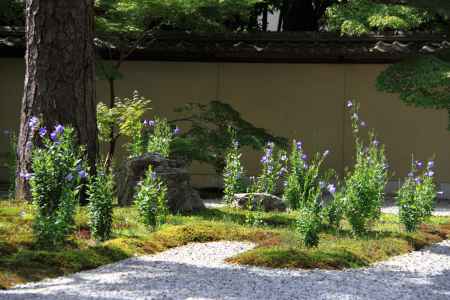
197	271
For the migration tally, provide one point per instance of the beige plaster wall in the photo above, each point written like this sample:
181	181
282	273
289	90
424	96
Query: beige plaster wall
302	101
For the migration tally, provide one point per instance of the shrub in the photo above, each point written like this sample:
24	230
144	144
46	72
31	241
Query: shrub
159	136
365	185
273	169
151	200
308	225
233	173
303	181
334	211
416	197
124	119
101	192
55	183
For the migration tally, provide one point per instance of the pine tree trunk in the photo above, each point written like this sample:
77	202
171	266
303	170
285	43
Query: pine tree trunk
60	74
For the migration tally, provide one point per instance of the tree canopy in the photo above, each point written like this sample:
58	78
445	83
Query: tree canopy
422	81
194	15
350	17
357	17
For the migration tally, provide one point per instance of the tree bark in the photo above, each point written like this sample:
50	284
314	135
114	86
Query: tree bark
60	76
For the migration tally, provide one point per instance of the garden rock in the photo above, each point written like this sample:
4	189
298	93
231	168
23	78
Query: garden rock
181	196
268	202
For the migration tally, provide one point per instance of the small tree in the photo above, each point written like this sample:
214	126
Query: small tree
209	130
422	81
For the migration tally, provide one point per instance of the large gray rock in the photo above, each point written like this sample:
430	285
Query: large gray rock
181	196
268	202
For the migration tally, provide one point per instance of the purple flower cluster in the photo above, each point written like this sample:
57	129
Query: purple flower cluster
282	171
42	132
354	116
26	175
428	172
69	177
33	123
349	104
82	174
268	152
331	188
149	123
59	130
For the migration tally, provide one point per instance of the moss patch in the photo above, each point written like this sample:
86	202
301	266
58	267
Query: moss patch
277	243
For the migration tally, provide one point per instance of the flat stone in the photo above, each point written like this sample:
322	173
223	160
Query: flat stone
268	202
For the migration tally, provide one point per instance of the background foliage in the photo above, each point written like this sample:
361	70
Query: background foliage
209	129
357	17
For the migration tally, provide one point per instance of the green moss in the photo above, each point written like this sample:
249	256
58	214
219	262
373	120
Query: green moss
278	245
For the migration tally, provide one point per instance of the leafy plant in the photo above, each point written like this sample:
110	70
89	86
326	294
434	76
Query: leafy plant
303	184
421	82
101	194
357	17
57	169
416	197
233	173
151	200
273	169
365	185
209	130
124	119
308	225
160	136
335	209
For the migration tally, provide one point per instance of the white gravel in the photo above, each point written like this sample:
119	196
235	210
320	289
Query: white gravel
197	271
442	206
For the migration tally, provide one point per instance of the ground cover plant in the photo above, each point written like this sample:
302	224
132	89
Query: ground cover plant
22	260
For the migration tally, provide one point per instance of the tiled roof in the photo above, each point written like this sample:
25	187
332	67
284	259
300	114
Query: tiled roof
286	47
